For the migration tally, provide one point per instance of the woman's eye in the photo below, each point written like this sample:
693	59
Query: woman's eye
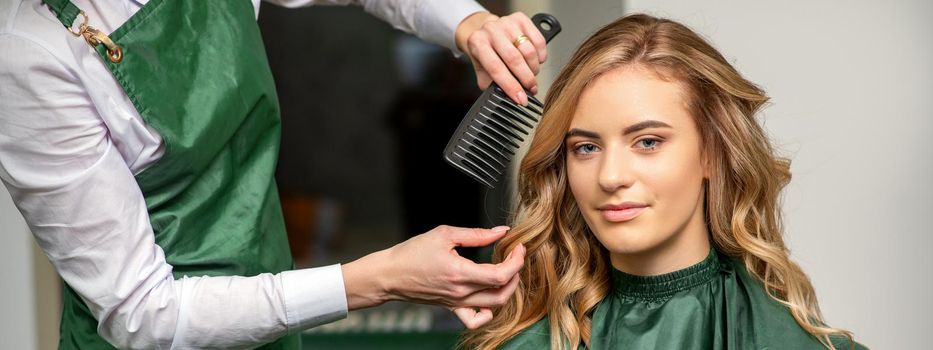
648	144
586	148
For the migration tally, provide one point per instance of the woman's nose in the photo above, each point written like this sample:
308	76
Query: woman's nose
615	171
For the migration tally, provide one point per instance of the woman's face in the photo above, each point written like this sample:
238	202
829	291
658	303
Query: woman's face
635	170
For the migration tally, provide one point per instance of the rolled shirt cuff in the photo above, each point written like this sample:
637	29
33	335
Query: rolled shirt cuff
438	21
313	297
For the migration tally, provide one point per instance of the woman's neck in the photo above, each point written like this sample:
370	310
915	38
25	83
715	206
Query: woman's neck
682	250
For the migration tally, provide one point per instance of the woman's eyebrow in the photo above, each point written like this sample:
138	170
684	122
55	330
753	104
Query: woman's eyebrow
644	125
581	132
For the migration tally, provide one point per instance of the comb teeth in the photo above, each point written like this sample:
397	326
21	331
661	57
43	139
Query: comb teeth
489	136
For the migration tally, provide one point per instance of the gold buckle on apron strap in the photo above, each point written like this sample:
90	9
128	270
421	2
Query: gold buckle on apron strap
96	37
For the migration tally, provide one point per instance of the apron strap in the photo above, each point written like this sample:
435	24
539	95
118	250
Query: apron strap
64	10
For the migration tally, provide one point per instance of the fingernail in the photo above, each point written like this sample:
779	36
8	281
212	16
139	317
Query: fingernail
522	98
534	90
500	229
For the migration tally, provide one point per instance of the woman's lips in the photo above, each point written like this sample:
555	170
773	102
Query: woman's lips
621	213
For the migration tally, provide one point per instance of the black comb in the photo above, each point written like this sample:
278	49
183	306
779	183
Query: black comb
489	135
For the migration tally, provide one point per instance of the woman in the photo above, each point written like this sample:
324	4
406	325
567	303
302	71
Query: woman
648	205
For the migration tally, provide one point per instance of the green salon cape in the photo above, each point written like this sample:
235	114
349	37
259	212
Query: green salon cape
714	304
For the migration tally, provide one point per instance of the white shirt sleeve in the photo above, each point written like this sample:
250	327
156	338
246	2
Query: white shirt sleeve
434	21
82	203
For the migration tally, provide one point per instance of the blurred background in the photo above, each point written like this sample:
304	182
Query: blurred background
367	111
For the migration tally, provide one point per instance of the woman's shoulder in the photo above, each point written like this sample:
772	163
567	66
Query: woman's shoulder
769	320
843	343
535	337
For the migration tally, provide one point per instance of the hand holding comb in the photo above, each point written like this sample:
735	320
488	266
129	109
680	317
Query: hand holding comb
489	135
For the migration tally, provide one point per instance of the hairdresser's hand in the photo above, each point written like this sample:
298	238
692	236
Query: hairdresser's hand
490	42
426	269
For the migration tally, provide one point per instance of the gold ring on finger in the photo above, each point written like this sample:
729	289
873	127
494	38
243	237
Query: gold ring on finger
519	40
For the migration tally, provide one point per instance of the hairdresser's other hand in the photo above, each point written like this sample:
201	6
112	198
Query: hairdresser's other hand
489	40
427	269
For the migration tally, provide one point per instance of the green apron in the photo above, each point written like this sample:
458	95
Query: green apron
196	71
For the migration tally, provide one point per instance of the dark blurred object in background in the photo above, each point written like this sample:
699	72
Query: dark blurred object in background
436	91
336	79
366	113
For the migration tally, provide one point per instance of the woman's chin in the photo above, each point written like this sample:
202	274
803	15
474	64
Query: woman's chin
629	242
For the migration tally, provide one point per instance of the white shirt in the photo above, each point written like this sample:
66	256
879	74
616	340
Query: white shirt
70	145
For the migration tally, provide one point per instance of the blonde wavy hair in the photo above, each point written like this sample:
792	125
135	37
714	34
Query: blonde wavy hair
567	272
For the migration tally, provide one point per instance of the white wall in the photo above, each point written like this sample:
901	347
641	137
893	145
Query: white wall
17	290
852	89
